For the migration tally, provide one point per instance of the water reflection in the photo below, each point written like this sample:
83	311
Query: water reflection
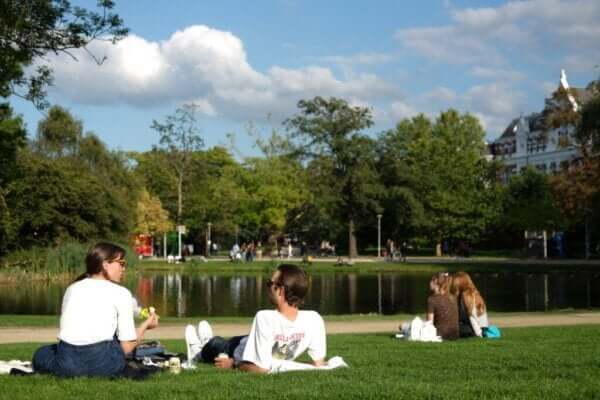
177	294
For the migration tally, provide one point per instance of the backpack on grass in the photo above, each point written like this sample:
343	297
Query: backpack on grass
492	332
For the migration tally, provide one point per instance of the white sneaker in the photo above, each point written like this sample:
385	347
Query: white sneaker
193	343
205	332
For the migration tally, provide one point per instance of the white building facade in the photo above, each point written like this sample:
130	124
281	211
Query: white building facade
528	142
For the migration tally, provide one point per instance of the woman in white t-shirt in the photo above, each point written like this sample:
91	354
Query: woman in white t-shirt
96	323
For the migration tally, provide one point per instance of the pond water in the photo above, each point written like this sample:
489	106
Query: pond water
199	294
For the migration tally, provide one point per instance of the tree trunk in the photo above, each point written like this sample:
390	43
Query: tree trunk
438	246
179	198
588	252
352	250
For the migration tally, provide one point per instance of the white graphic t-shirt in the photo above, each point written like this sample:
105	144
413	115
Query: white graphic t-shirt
273	338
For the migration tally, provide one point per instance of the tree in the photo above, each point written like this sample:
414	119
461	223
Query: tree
30	29
330	128
12	139
54	200
528	202
404	212
180	138
446	169
59	133
588	129
151	218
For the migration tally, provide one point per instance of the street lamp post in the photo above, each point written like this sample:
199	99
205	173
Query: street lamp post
208	241
379	235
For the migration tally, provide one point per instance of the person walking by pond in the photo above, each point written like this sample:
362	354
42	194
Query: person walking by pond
473	319
96	324
276	336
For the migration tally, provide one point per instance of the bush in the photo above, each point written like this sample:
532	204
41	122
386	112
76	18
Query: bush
31	260
68	257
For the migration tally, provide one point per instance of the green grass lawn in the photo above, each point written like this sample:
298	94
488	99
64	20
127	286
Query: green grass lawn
527	363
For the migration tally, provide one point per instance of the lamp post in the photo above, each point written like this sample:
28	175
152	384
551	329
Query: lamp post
208	241
379	235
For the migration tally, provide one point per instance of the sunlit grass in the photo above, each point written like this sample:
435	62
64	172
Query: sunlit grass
527	363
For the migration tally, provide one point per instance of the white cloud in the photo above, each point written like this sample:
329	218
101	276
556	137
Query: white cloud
497	73
401	109
440	95
207	66
361	59
489	35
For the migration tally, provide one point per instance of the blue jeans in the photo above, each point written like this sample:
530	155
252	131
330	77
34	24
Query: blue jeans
63	359
218	345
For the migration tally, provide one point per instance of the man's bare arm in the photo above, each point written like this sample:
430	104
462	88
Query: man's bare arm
250	367
319	363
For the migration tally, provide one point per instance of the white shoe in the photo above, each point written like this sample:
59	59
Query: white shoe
205	332
193	343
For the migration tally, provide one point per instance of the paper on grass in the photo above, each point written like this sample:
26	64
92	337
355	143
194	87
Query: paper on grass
6	366
285	366
420	331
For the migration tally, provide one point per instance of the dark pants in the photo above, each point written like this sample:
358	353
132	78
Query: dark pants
218	345
63	359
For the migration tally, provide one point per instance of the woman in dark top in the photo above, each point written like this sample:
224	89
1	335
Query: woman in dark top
442	308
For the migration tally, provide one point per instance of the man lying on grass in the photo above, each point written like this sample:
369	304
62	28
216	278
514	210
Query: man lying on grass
276	335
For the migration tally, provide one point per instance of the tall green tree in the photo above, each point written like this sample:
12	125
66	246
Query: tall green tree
404	213
59	134
331	128
180	138
31	29
447	170
528	203
12	139
588	129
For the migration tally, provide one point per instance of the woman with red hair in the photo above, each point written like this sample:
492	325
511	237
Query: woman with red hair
473	319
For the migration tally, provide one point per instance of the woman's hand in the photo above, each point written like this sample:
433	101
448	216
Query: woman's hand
151	322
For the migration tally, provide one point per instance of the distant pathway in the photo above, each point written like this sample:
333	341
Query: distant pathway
46	335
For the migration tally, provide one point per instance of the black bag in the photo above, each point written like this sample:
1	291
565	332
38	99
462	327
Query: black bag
464	324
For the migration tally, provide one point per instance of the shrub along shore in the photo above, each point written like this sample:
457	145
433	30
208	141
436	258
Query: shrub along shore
66	268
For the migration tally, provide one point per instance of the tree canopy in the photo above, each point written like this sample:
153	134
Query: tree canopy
331	129
30	29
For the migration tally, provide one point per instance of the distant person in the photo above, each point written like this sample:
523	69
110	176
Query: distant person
304	252
235	252
276	335
388	250
403	251
96	322
473	319
441	306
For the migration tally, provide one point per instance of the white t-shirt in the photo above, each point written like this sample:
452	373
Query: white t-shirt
273	337
93	310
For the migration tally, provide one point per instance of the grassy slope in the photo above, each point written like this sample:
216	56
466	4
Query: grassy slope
531	363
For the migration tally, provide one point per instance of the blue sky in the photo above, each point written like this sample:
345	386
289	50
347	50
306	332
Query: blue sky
243	61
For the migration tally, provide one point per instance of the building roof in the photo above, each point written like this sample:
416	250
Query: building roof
536	120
